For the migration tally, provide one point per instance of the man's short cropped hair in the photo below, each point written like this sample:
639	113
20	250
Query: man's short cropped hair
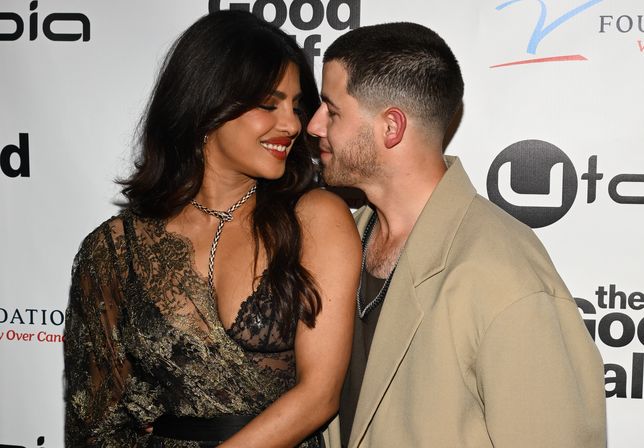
401	64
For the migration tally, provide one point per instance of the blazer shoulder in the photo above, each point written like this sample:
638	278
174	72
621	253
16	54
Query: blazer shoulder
500	258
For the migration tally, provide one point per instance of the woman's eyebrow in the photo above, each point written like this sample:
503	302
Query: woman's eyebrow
282	96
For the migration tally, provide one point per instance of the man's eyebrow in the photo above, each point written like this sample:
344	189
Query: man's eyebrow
327	100
282	96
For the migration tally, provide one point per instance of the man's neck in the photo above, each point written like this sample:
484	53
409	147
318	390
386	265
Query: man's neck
399	201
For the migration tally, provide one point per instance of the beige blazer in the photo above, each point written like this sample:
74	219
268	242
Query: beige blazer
479	343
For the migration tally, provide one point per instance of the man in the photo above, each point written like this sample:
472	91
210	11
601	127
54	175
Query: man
465	334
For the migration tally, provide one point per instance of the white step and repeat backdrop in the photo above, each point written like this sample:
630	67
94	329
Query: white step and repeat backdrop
552	130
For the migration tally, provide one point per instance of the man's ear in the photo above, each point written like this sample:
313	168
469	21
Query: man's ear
396	123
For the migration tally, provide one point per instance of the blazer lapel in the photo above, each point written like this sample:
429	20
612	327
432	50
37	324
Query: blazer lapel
423	256
400	316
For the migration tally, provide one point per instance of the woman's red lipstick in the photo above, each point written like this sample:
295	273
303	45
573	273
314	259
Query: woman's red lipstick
278	146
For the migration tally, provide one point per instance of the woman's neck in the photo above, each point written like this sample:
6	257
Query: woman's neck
219	191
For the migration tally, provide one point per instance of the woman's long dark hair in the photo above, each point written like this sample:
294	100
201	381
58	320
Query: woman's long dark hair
225	64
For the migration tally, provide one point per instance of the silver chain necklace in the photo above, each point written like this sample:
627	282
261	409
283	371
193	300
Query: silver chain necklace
380	297
223	217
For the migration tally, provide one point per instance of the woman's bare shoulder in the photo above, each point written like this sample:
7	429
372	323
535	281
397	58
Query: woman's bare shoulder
327	222
322	204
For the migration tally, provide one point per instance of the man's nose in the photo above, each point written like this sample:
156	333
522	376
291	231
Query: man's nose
317	125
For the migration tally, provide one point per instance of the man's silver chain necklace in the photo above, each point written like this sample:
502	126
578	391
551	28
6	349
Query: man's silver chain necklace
380	297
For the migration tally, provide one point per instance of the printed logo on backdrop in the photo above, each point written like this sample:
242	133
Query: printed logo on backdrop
544	25
40	443
31	325
29	22
304	15
534	181
613	326
537	183
14	159
624	24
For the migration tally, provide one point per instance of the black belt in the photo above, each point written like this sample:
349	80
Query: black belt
199	429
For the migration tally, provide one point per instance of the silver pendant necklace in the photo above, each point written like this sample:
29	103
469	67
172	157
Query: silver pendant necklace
224	217
380	297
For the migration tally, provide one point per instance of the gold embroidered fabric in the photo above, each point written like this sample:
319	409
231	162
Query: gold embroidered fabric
143	339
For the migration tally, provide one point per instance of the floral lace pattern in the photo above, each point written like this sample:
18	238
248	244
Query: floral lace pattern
143	338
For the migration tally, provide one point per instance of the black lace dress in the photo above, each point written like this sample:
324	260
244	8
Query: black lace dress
143	339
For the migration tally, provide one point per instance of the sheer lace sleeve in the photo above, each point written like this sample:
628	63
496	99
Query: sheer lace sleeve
105	404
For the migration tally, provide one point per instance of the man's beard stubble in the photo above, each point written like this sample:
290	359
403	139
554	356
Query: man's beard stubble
354	162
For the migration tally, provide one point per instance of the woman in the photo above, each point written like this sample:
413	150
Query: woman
217	307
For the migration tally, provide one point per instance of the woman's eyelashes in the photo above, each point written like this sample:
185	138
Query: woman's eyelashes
271	107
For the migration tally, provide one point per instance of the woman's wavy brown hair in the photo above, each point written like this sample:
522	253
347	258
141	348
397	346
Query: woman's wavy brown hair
225	64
